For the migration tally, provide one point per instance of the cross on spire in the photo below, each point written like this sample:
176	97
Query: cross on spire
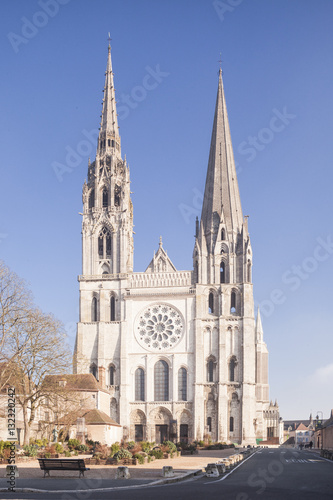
109	39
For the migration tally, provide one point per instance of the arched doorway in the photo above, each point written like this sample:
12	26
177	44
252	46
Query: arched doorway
138	425
160	419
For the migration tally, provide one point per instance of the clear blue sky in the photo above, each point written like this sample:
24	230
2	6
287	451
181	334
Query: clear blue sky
277	60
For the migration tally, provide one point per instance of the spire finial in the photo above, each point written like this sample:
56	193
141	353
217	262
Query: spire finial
220	63
161	242
109	40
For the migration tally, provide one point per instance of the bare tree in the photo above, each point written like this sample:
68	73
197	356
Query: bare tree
15	303
41	349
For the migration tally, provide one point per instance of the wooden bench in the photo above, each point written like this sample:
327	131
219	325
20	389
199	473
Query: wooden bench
47	464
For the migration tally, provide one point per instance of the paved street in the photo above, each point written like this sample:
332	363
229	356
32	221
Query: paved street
286	474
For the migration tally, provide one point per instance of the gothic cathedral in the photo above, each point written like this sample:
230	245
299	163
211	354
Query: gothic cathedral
179	353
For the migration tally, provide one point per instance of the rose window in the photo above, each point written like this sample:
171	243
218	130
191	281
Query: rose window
159	327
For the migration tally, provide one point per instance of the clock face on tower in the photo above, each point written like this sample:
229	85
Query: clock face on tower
159	327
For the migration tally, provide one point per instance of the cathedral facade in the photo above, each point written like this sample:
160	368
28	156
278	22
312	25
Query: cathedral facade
179	352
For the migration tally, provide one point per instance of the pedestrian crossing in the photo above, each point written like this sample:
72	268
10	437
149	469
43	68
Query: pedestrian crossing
297	461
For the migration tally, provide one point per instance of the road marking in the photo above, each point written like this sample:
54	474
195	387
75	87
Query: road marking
298	461
271	452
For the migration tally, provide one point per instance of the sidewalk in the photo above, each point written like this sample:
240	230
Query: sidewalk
103	476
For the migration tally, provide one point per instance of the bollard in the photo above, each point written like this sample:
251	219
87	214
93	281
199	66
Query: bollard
167	471
122	473
12	470
212	470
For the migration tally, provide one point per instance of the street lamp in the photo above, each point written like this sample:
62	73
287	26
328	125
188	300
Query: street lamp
319	429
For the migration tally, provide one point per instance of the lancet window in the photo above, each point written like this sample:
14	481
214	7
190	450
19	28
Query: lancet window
104	244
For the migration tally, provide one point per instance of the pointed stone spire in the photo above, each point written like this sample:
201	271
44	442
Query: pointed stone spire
259	329
109	139
221	190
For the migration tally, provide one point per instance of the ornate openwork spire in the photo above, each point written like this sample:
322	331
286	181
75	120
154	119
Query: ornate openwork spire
109	139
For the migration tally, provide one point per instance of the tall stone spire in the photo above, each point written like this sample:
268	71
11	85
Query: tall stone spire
222	250
221	191
109	139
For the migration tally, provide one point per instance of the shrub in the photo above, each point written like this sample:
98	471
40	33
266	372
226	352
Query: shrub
47	454
122	453
199	443
101	451
90	442
39	442
58	448
130	445
30	450
170	446
67	453
4	445
156	453
114	449
83	447
73	444
140	458
146	446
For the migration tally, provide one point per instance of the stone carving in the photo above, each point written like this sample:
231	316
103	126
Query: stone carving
159	327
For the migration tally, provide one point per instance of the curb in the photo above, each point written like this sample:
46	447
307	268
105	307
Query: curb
176	479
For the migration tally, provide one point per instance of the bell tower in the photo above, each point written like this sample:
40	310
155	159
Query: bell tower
107	226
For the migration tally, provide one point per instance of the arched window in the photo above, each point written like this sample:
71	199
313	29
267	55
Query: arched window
112	308
93	370
196	272
94	309
232	365
249	271
161	381
222	273
222	235
117	192
233	303
182	384
231	424
104	244
210	371
112	372
209	424
105	198
92	198
139	384
211	303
